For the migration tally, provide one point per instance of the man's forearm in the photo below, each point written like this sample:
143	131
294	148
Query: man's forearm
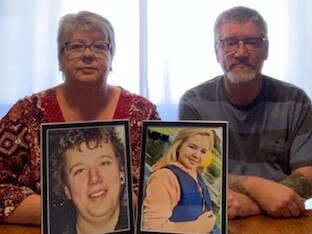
236	183
299	183
272	197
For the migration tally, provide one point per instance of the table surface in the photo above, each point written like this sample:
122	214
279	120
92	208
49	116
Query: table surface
256	225
266	225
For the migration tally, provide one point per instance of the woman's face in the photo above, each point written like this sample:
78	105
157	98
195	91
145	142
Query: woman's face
86	66
94	180
193	150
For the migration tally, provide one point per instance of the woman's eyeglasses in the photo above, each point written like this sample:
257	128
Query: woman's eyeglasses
98	48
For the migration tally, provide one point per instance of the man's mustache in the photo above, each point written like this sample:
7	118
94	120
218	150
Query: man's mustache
242	63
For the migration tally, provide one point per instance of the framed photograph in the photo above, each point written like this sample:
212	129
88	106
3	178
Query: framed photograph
183	177
86	178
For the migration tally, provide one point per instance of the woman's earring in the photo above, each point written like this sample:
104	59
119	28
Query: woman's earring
122	179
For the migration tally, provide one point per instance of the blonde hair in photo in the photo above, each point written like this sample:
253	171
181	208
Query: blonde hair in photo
173	152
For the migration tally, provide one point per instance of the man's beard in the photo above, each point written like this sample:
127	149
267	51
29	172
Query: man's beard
241	76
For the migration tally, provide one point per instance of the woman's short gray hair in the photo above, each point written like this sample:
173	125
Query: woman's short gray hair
83	20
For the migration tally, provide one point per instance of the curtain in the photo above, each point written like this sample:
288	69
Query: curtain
28	52
164	47
181	53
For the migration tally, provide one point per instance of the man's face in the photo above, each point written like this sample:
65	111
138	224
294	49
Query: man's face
94	180
244	63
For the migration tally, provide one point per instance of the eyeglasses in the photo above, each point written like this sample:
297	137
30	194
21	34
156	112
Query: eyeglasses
250	43
98	47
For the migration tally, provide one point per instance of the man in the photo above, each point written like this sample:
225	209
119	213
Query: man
270	129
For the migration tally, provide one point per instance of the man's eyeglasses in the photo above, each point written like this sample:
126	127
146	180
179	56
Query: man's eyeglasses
250	43
98	47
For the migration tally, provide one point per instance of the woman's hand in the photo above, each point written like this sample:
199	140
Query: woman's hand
205	222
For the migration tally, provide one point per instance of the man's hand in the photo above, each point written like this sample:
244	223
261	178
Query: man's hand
276	199
240	205
272	197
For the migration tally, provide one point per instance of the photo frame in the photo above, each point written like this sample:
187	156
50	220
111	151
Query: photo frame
86	172
166	193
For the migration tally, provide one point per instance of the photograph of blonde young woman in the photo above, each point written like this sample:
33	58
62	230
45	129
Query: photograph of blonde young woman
184	178
86	180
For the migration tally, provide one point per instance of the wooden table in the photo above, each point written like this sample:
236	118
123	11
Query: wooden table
265	225
253	225
19	229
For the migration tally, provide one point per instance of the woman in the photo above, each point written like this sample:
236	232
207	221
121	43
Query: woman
86	48
177	199
88	177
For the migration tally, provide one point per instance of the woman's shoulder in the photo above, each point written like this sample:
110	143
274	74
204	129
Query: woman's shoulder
163	175
36	97
32	106
137	106
164	171
134	97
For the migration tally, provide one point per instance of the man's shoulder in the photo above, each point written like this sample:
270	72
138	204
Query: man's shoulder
284	89
207	87
281	84
206	84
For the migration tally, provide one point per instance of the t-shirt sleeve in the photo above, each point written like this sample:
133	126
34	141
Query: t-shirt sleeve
187	109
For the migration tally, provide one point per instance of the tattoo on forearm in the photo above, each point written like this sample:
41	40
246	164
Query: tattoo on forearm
299	183
236	183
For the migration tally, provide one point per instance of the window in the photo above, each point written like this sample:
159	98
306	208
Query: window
164	47
28	61
181	53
